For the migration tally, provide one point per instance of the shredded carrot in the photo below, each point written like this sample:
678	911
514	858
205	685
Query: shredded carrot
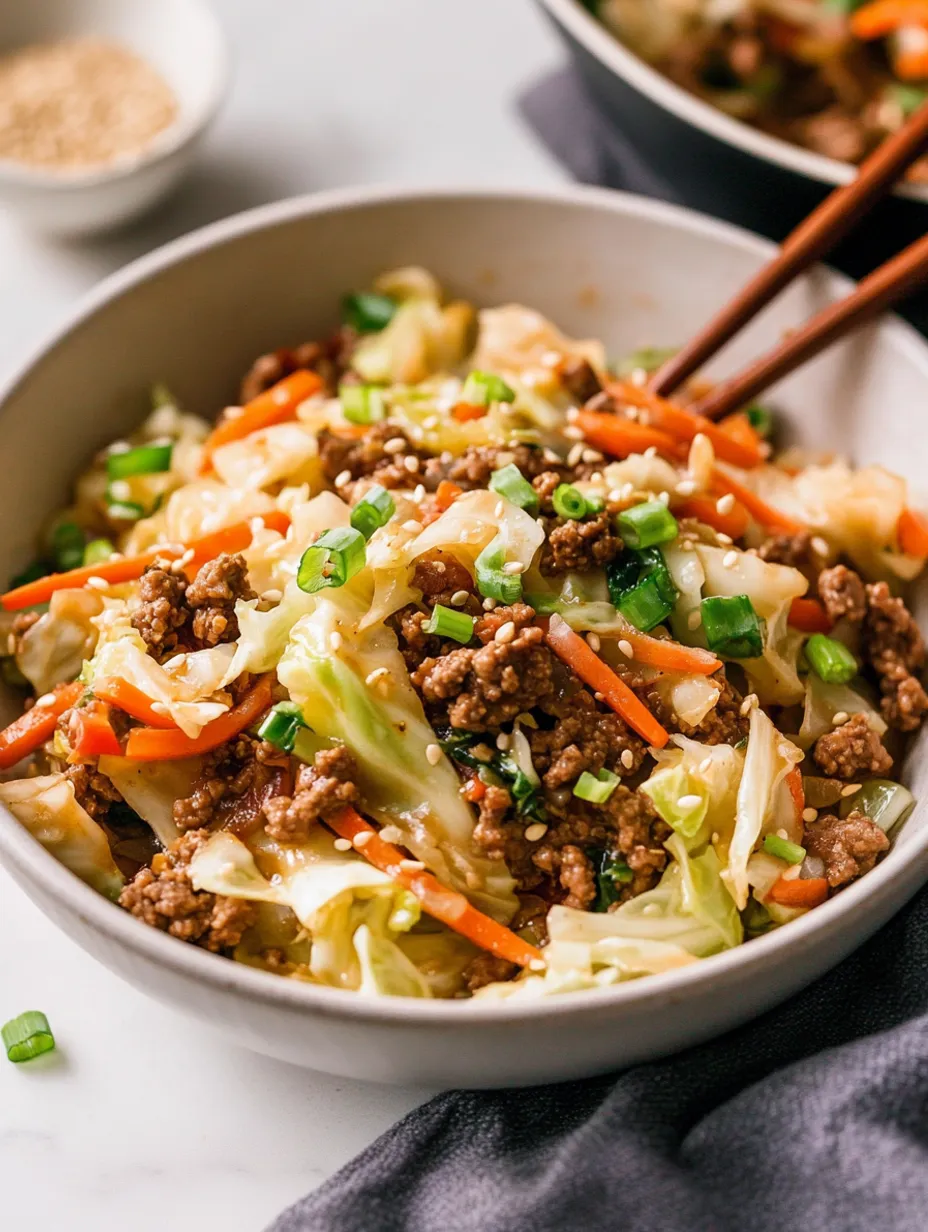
772	520
670	656
92	733
446	494
274	406
446	905
25	734
911	65
126	697
883	17
463	412
809	616
159	744
686	425
797	794
621	437
740	428
800	891
705	509
912	533
475	790
129	568
576	653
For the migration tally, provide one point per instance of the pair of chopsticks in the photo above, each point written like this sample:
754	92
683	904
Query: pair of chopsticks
812	239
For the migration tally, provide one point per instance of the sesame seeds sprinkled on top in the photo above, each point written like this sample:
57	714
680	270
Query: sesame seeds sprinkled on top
418	495
819	545
513	567
537	830
505	633
97	583
433	754
499	509
459	598
809	814
573	414
412	526
342	844
374	677
626	648
686	487
335	640
396	444
362	838
725	504
593	642
839	718
412	866
723	538
690	801
47	699
342	478
575	453
489	604
850	790
730	559
591	456
651	451
627	759
572	432
411	463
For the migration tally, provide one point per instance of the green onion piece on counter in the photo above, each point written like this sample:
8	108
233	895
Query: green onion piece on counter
333	560
510	483
125	511
886	803
281	724
27	1036
596	788
482	388
362	404
368	312
830	659
645	605
783	849
760	419
375	509
67	543
446	622
647	525
97	551
145	460
492	581
732	627
569	502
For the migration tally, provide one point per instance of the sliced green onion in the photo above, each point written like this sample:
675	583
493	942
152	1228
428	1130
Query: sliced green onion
125	511
281	724
67	543
830	659
97	551
368	312
732	627
761	420
446	622
611	873
362	404
622	575
645	605
375	509
482	388
569	502
597	788
492	582
27	1036
510	483
886	803
783	849
335	557
647	524
595	503
544	605
146	460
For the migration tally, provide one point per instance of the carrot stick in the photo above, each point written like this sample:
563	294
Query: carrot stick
446	905
25	734
797	794
274	406
159	744
800	892
705	509
772	520
621	437
92	733
912	533
126	697
685	425
463	412
576	653
671	656
129	568
809	616
739	428
884	17
446	494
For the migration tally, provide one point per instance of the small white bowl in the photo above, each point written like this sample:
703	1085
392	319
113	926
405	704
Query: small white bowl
184	41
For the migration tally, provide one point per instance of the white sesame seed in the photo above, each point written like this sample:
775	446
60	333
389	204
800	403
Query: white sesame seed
392	834
394	445
809	814
459	598
489	604
47	699
412	526
627	759
513	568
631	412
600	697
818	544
651	451
839	718
335	640
572	432
690	801
574	454
160	708
430	422
411	463
120	490
593	642
362	839
97	583
614	495
573	414
118	447
535	831
749	703
726	503
705	765
626	648
505	633
628	491
376	675
730	559
686	487
412	866
342	844
664	498
273	595
694	620
342	478
433	754
851	790
596	477
537	964
781	833
723	538
499	509
591	455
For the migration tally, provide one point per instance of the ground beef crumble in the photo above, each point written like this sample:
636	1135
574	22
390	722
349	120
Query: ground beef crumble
322	788
724	723
172	611
572	546
578	877
330	359
579	379
584	738
851	751
162	612
212	596
800	551
93	791
896	650
487	969
849	847
241	766
843	594
163	897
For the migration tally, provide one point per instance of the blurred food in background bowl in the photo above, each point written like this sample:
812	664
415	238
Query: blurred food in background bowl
102	106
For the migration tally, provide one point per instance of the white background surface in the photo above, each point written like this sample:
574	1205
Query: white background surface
142	1120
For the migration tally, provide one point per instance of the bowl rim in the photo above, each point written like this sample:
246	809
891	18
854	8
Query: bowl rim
607	48
33	863
183	131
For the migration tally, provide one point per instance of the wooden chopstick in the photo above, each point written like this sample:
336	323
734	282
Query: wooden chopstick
811	240
885	286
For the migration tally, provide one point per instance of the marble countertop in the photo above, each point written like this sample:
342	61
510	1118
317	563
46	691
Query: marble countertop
143	1119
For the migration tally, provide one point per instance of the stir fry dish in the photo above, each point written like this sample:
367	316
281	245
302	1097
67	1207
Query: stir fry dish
834	76
454	661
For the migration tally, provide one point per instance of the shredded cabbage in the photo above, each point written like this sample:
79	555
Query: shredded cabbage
53	650
695	788
151	787
518	342
823	701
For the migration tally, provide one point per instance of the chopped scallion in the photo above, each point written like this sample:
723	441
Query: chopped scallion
645	605
335	557
760	419
783	849
492	582
482	388
830	659
97	551
281	724
510	483
362	404
368	312
647	524
596	788
125	511
732	626
446	622
569	502
27	1036
375	509
611	874
145	460
67	543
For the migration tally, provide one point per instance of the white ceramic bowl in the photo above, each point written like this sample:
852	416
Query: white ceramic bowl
184	41
602	264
